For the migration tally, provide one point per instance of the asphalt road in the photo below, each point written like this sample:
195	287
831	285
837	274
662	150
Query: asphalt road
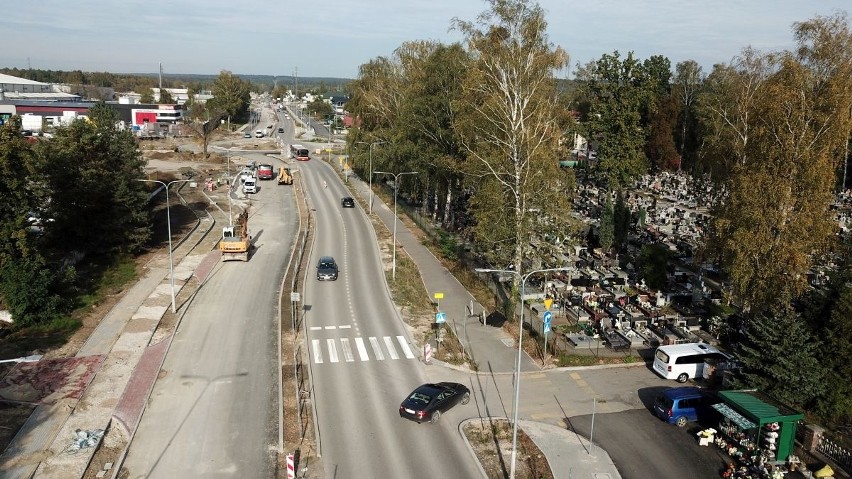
214	410
363	363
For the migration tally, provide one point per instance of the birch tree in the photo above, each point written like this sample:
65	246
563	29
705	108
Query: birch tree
776	217
509	129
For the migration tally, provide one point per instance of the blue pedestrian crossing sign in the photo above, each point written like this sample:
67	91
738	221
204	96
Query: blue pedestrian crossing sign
440	318
547	317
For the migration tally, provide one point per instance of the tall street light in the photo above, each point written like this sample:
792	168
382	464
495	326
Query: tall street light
372	144
395	189
520	352
169	226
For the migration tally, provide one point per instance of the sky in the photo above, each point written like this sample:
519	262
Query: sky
333	38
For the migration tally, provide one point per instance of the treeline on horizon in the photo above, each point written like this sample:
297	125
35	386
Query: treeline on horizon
140	82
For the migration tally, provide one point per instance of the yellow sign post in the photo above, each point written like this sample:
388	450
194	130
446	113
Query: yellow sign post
548	302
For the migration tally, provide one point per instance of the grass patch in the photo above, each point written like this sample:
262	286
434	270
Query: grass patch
407	289
103	281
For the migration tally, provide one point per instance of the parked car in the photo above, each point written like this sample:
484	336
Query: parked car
280	130
347	202
327	269
682	405
429	401
683	361
246	135
258	134
265	172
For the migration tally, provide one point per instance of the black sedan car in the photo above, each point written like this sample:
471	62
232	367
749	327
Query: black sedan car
347	202
427	402
326	269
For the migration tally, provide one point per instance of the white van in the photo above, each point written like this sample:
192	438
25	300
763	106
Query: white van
684	361
250	185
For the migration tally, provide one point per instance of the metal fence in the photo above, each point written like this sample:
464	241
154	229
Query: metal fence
836	452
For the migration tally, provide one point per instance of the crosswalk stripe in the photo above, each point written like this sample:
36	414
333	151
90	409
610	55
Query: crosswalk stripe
405	349
347	350
332	351
362	350
391	349
317	351
377	350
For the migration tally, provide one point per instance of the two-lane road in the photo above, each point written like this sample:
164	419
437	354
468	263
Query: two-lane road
362	359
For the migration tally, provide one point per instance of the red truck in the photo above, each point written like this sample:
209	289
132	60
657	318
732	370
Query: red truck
264	172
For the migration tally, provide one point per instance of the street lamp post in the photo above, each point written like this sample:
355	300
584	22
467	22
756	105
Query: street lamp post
395	189
523	279
169	227
371	168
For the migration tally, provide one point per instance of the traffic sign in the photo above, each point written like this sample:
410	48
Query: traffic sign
548	316
548	303
440	318
439	296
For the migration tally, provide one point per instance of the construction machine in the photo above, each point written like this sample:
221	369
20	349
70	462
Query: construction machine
284	176
236	242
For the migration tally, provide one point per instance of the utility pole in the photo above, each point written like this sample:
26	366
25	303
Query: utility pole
296	78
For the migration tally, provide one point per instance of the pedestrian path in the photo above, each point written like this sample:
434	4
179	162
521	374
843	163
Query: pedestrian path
365	349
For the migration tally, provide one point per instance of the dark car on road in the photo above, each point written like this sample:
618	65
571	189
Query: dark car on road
427	402
280	130
327	269
680	406
265	172
347	202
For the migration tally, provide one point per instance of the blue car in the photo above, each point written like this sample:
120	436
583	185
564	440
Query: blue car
683	405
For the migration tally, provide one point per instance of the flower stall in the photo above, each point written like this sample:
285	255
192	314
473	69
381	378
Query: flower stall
754	428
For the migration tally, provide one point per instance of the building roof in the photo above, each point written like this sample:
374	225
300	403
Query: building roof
760	406
18	81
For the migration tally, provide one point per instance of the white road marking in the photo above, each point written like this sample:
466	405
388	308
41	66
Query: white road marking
315	344
405	349
391	349
345	326
332	351
377	350
330	327
362	349
347	350
316	328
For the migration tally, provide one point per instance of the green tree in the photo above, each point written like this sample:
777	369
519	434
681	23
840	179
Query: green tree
606	230
687	83
653	265
620	220
166	97
618	93
510	135
320	108
660	147
90	170
18	200
30	288
231	97
779	357
147	96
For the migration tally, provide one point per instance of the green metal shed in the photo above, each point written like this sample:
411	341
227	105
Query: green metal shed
776	422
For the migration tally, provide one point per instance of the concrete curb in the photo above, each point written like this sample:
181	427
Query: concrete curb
467	443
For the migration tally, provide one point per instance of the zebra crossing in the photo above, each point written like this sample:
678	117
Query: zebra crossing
379	349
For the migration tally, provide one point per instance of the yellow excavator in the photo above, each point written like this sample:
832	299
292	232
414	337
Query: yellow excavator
236	242
284	176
